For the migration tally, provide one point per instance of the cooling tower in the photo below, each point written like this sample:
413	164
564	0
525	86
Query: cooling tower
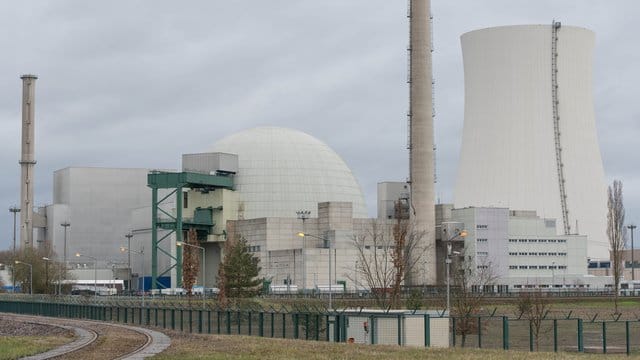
529	139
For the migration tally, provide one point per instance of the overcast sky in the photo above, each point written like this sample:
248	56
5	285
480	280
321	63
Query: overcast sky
138	83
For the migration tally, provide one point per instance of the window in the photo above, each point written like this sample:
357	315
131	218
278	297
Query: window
513	253
562	240
552	240
185	200
533	240
479	226
522	240
533	266
522	253
523	267
542	254
552	267
553	254
562	267
513	267
480	267
542	240
481	240
542	267
513	240
562	254
533	254
483	253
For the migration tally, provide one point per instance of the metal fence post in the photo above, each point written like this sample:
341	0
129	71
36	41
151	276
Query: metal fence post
427	330
209	321
306	329
530	336
173	319
604	337
250	322
273	330
261	324
580	336
479	331
295	325
399	329
555	335
627	338
199	321
228	322
239	318
505	333
453	332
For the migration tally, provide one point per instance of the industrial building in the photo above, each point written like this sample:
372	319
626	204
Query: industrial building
529	139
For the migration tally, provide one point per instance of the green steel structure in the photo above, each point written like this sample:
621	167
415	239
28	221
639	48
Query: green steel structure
202	219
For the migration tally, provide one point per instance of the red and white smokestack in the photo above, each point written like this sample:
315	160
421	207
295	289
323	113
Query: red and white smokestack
421	153
27	161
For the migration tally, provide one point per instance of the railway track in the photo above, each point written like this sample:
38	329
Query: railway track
99	340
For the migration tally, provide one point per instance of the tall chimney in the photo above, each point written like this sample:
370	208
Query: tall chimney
421	153
27	161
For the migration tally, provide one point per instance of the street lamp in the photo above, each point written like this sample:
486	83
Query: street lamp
304	215
65	225
129	236
30	274
462	234
633	265
141	253
46	272
181	243
95	272
301	234
14	210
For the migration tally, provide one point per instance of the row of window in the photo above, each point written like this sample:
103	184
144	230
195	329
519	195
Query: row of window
537	240
536	267
255	248
481	226
524	253
481	240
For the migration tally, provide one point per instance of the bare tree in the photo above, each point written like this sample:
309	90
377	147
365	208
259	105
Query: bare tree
616	234
190	262
470	279
534	306
386	254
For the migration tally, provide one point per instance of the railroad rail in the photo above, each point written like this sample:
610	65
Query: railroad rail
92	335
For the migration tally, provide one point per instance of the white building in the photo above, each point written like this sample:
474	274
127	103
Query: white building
521	249
529	138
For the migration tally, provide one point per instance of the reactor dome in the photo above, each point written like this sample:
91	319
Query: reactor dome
281	171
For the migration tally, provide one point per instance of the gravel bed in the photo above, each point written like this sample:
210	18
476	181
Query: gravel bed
10	327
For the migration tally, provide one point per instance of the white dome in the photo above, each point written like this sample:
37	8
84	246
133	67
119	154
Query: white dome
281	171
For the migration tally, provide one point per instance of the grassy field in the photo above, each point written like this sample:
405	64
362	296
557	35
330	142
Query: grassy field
187	347
15	347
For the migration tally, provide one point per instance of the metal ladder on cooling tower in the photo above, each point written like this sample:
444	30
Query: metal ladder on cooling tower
555	27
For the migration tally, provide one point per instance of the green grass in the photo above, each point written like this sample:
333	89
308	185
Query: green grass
200	347
15	347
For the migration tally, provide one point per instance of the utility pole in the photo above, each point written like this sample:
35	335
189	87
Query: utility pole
129	236
633	265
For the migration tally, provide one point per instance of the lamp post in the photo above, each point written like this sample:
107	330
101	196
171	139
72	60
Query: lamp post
46	273
633	264
95	272
65	225
304	215
14	210
30	274
302	234
129	236
141	253
181	243
462	234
